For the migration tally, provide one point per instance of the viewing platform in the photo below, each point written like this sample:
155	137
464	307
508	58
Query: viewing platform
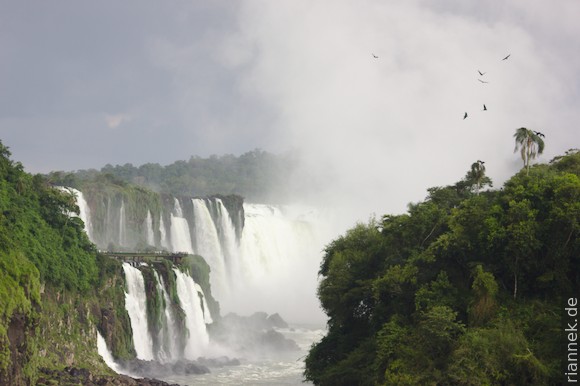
144	257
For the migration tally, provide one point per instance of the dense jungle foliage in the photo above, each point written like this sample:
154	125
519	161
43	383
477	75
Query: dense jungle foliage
467	288
55	289
257	175
40	245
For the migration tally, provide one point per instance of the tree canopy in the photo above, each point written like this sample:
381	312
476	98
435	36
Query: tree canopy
463	289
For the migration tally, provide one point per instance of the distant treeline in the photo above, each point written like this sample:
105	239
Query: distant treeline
257	175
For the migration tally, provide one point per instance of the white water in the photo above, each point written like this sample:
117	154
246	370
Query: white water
208	245
149	229
198	339
279	258
206	313
273	370
180	236
164	241
136	305
104	352
229	241
168	334
122	226
84	210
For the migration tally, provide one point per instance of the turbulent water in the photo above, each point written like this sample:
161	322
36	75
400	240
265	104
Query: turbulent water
272	370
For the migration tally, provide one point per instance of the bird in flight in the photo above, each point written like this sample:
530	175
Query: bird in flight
482	81
481	73
506	57
374	56
484	107
465	116
539	134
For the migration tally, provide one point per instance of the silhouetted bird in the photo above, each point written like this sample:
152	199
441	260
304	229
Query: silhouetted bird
465	116
506	57
374	56
481	73
539	134
484	107
482	81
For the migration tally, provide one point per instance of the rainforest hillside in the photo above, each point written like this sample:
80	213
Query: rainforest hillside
56	291
468	287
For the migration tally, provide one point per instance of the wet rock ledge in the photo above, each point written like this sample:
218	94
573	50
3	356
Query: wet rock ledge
75	376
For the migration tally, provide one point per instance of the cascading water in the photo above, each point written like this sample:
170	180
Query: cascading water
122	225
198	338
164	242
228	238
252	249
136	305
206	313
180	236
84	210
168	336
149	229
208	245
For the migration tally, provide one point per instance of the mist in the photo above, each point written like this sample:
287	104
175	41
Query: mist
375	133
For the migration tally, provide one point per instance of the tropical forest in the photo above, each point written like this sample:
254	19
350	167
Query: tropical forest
469	287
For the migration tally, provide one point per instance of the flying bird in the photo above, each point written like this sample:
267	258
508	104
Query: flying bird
506	57
484	107
482	81
465	116
481	73
539	134
374	56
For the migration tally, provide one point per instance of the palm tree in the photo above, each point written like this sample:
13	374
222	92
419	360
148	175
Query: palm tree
476	176
530	145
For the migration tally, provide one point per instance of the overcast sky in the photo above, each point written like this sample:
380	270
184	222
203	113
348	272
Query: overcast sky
86	83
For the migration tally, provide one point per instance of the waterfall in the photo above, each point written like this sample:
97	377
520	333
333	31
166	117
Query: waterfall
198	338
206	313
164	242
136	305
250	251
168	334
84	210
104	352
122	226
149	229
228	238
180	236
208	245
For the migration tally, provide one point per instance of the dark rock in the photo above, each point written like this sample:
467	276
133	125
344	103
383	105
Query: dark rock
155	369
219	361
277	321
81	376
275	340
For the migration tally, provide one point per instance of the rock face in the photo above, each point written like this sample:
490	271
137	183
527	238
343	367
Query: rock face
19	329
154	369
76	376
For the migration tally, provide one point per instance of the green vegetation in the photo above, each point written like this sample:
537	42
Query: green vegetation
54	288
257	175
467	288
